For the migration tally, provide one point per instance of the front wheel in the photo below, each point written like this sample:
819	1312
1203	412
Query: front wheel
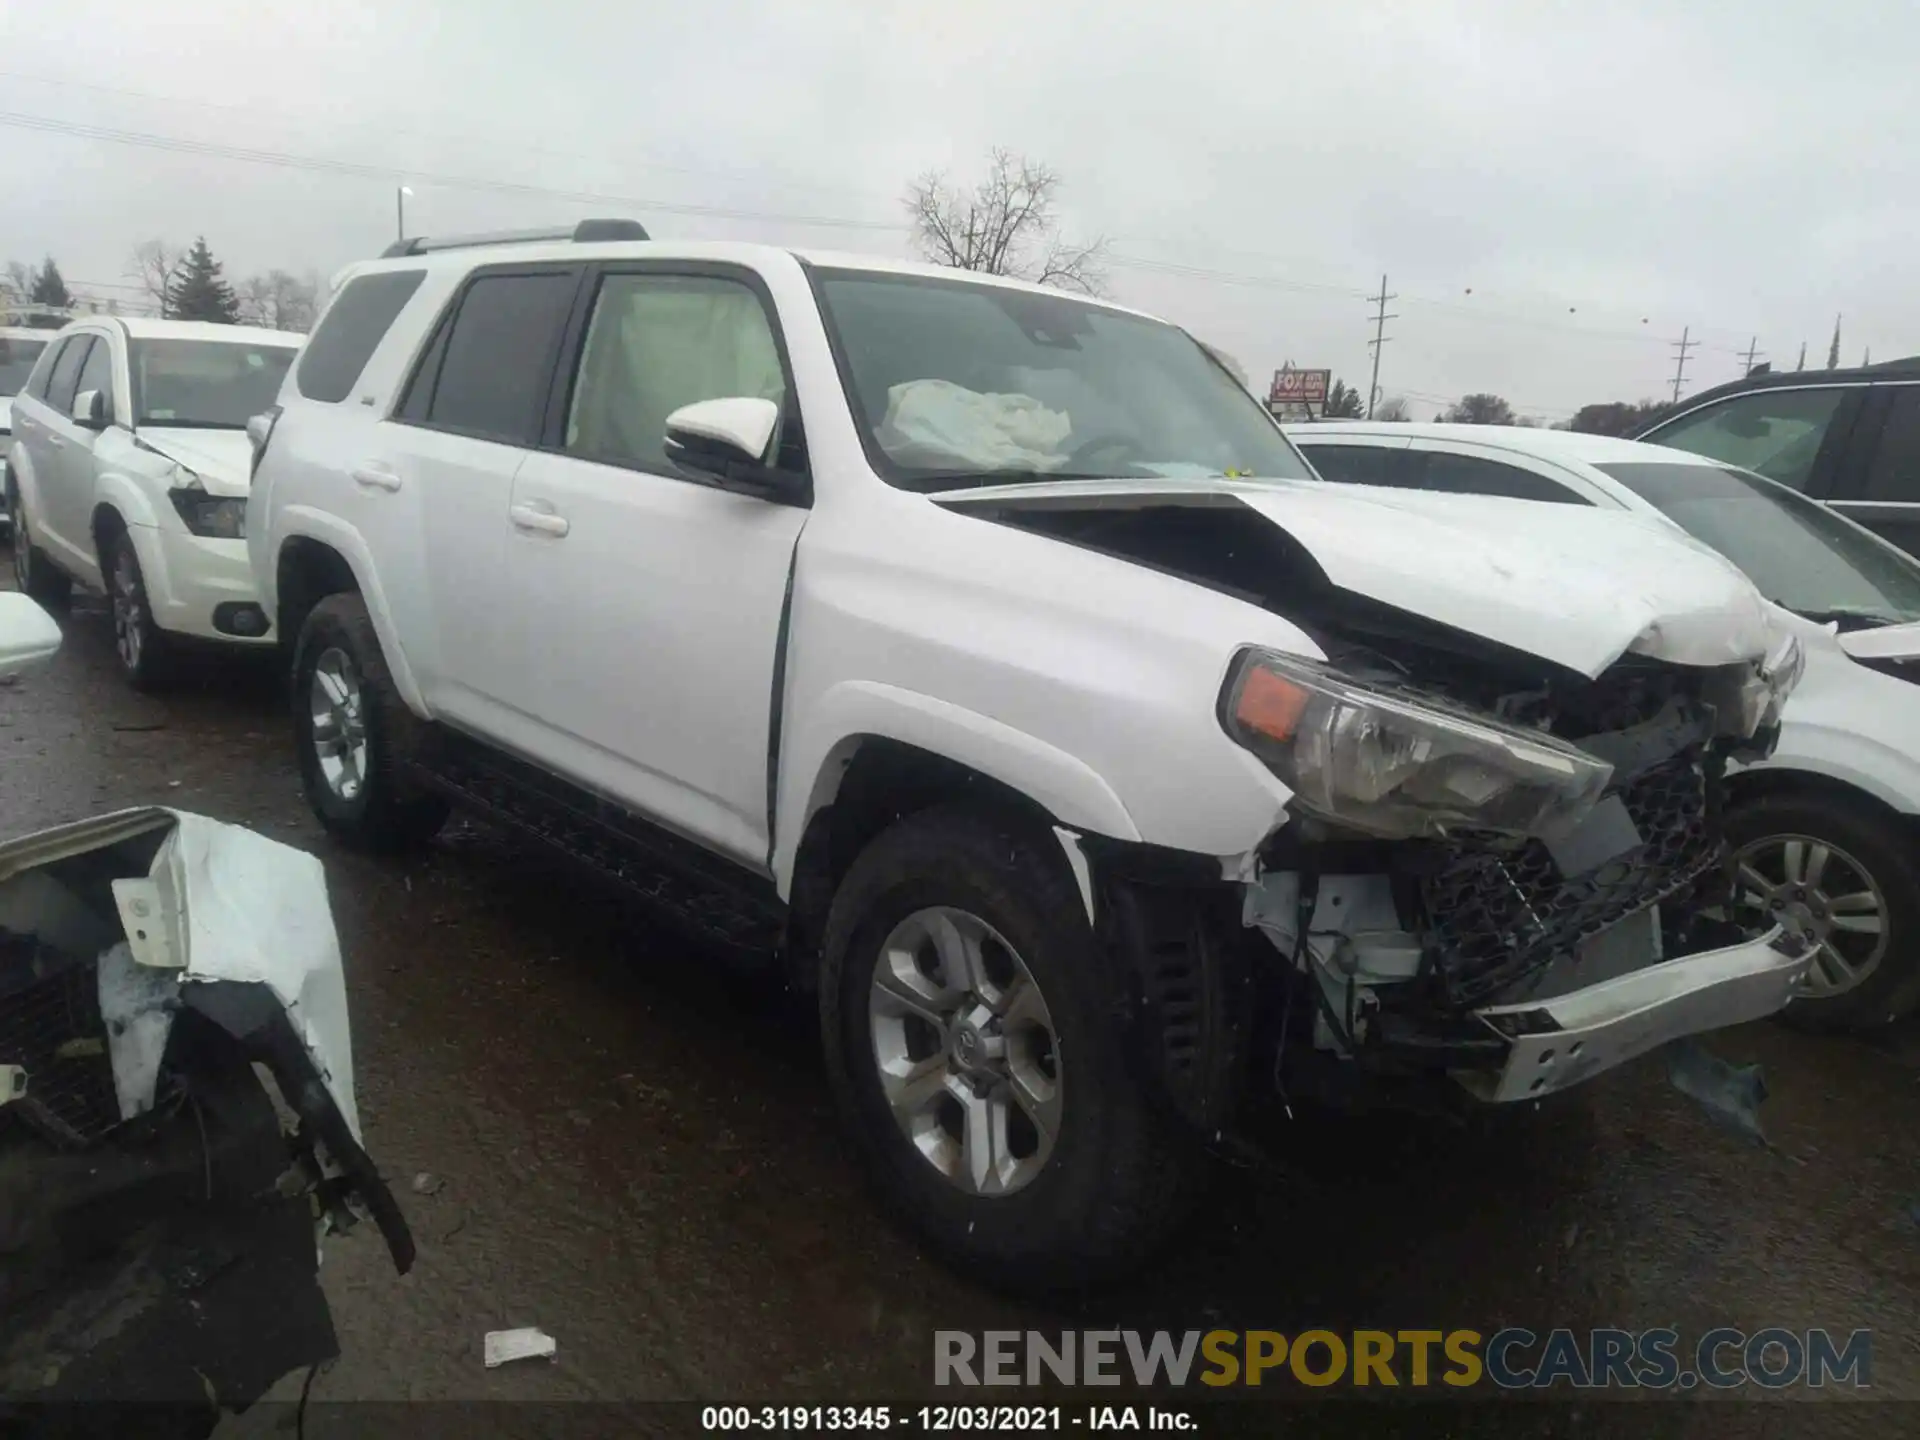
144	650
354	734
1844	875
977	1060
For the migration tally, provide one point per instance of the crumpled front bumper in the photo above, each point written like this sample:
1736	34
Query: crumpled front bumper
1559	1043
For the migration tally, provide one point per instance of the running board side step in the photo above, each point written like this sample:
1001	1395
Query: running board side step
704	896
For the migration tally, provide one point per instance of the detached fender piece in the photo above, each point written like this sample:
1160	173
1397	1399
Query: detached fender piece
241	926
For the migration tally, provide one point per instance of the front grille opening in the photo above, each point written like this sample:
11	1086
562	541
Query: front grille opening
1497	914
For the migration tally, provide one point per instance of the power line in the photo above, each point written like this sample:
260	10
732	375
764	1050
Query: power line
391	174
1380	318
1682	347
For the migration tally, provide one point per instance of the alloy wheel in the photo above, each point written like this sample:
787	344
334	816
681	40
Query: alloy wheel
967	1052
1814	887
336	704
129	608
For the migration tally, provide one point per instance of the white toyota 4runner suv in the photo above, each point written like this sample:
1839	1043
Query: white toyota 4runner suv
989	655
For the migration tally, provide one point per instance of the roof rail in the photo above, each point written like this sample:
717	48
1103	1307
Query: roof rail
587	232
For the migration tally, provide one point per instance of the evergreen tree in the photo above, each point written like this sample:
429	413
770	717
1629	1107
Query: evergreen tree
49	288
199	291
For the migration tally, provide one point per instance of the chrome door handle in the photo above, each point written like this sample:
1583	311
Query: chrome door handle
58	442
538	521
375	476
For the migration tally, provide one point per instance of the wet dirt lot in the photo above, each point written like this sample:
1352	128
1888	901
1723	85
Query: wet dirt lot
634	1151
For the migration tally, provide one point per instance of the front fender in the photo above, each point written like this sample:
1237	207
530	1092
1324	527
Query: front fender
1889	773
300	522
855	710
131	498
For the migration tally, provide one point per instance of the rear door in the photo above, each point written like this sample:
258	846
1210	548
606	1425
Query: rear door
463	428
656	601
30	429
65	500
1879	476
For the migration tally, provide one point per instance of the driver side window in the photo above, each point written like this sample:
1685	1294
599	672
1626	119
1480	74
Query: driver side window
1777	433
97	374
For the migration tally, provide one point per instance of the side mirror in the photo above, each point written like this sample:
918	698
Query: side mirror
27	634
90	410
725	443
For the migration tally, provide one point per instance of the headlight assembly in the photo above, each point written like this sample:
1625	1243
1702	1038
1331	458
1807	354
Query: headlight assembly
1393	767
212	517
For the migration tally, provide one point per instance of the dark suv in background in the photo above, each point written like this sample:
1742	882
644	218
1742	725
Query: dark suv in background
1848	437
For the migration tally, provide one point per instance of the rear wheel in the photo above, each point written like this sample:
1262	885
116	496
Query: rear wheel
1844	875
976	1054
33	573
354	734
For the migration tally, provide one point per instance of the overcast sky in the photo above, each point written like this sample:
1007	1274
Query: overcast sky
1553	189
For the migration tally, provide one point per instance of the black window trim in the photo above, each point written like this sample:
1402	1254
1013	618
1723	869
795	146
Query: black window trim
553	429
48	362
449	315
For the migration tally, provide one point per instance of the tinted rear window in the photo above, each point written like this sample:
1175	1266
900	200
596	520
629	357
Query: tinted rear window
499	355
351	331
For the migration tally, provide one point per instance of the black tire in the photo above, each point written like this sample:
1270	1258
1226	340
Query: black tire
146	652
1121	1173
1876	844
33	573
386	811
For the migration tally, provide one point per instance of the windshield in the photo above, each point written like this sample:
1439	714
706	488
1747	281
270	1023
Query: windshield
16	362
205	384
1796	551
955	382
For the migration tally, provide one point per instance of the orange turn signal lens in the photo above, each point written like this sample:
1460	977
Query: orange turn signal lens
1270	704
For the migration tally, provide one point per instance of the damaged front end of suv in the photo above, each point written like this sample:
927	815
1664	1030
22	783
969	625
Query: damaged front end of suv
177	1115
1521	887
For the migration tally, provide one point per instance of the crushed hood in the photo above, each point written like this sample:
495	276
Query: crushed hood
1573	584
223	459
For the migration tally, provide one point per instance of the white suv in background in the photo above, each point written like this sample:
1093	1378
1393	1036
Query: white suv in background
906	625
128	470
20	349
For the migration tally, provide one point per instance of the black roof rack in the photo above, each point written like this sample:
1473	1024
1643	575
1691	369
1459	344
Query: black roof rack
587	232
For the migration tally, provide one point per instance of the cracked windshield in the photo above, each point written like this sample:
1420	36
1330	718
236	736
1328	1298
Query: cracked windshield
1020	719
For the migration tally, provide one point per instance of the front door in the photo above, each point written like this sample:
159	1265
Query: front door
61	461
656	602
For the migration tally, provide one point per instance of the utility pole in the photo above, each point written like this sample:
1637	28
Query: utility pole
1682	348
1753	353
1380	318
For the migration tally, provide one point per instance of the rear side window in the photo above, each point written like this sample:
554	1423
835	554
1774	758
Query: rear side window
492	380
1894	471
1470	475
43	371
1358	464
351	331
66	373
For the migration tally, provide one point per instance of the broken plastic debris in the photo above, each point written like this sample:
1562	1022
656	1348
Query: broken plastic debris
1730	1094
427	1183
506	1346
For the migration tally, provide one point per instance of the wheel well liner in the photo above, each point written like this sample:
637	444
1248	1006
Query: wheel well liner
308	571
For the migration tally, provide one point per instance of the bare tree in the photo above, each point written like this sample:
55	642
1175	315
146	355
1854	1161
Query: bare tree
1006	225
1479	409
18	283
1394	407
279	300
151	267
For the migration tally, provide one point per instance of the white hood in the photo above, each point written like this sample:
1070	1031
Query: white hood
1888	642
1574	584
223	459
